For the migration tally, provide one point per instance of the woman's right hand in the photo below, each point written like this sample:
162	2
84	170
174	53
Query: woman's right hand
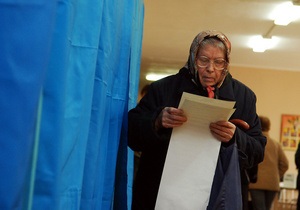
170	117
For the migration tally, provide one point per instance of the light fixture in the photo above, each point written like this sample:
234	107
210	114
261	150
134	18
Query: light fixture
155	76
285	13
261	44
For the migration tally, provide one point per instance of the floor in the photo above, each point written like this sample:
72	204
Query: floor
286	200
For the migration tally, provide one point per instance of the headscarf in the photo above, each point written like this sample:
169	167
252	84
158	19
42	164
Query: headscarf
195	45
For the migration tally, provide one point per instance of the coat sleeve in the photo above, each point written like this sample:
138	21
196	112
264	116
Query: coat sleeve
283	163
141	119
251	143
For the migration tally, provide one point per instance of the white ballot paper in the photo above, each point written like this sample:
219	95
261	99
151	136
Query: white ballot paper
192	155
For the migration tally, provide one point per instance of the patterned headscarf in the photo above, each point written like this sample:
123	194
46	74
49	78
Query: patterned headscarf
195	45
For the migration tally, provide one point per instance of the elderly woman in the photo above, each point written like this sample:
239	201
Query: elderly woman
151	122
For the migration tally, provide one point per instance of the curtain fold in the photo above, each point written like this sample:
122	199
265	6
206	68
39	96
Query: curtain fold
25	29
70	72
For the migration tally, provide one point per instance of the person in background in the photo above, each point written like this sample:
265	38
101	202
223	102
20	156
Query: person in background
151	122
297	162
270	171
144	90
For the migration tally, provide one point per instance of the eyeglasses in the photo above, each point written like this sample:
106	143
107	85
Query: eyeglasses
218	64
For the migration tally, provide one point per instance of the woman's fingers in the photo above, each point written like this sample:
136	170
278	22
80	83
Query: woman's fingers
223	130
172	117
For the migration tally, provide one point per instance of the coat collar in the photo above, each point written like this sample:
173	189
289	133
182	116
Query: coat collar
225	92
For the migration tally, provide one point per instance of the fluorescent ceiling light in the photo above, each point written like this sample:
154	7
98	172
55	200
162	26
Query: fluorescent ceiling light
285	13
261	44
154	76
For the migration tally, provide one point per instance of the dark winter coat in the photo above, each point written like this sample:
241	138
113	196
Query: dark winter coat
297	162
167	93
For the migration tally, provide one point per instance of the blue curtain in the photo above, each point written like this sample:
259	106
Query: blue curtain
69	74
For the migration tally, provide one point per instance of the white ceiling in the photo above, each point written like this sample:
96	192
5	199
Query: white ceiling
171	25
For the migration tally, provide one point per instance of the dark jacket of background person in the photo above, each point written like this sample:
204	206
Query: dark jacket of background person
154	145
297	162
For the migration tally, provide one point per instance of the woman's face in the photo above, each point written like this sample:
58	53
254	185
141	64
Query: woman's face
209	75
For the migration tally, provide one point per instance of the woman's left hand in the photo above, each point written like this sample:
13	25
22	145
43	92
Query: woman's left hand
222	130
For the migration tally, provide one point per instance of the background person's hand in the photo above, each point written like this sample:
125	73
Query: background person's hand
170	117
222	130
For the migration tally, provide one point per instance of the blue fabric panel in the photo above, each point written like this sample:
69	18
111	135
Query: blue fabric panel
65	150
108	107
48	173
133	84
75	56
51	130
25	47
78	96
